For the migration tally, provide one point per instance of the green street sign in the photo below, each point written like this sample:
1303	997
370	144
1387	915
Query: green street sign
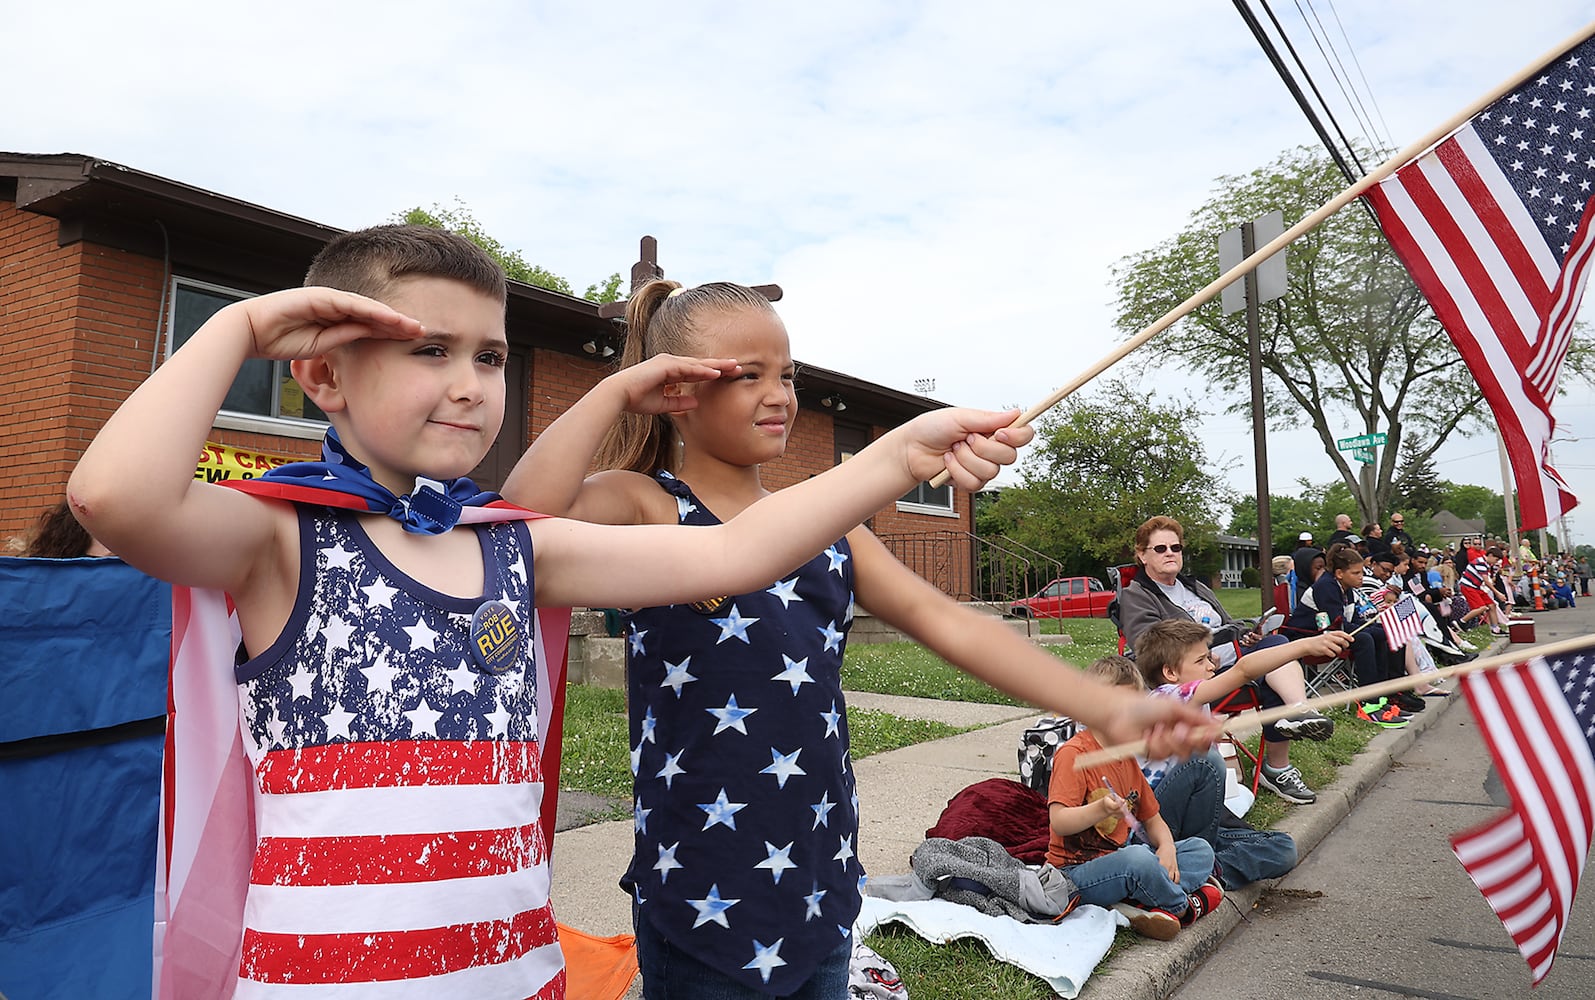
1360	441
1363	455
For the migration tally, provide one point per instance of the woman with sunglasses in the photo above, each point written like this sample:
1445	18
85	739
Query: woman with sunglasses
1160	592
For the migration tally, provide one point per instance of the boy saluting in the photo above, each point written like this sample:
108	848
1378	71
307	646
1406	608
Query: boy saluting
387	692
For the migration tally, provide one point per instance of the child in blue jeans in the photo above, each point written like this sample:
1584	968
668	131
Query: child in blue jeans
1109	838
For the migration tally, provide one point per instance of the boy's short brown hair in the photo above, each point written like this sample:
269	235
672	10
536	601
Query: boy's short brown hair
368	261
1117	670
1164	645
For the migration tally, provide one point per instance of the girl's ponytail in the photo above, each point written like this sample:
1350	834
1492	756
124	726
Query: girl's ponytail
660	319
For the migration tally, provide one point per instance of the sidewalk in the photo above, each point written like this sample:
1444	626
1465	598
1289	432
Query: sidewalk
903	792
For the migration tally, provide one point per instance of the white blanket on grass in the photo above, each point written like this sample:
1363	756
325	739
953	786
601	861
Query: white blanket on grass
1064	954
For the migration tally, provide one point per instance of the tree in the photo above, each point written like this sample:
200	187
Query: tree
459	219
1101	464
1353	347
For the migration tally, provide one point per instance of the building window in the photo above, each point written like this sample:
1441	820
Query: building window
928	499
263	389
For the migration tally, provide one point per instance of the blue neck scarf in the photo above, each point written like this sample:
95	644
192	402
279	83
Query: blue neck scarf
430	508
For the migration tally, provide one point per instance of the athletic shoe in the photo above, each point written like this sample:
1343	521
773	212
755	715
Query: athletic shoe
1408	702
1201	902
1159	925
1381	713
1287	784
1307	725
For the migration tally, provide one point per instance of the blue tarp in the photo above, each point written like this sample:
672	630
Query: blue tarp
84	646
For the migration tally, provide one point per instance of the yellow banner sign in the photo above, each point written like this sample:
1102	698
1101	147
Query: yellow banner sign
218	462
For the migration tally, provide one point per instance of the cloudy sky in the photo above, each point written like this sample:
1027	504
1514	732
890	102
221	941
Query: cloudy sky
941	188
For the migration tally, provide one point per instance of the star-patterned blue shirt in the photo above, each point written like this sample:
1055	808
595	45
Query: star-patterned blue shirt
745	810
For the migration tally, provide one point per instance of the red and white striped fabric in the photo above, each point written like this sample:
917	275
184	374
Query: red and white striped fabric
1538	720
208	835
1494	227
1400	622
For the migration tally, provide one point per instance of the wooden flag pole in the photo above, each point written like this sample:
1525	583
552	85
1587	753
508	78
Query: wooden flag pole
1279	242
1248	721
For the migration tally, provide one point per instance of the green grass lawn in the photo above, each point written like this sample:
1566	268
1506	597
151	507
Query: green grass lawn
596	750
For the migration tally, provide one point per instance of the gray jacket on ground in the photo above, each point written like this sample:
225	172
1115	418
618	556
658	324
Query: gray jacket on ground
979	872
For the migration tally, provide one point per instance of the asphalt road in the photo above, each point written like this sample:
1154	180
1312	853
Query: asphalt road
1383	909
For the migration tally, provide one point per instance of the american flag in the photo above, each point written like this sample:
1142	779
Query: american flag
1538	720
1400	622
1494	226
209	833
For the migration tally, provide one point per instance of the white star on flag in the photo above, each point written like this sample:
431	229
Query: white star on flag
379	676
421	635
734	626
337	722
676	675
275	727
813	901
721	810
783	766
822	811
337	632
766	959
837	558
786	590
423	719
463	678
833	636
712	908
380	594
636	640
667	862
844	853
796	673
671	768
300	680
832	718
779	860
649	724
639	817
338	558
498	720
730	717
685	506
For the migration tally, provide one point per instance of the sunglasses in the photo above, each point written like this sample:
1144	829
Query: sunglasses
1160	549
1398	523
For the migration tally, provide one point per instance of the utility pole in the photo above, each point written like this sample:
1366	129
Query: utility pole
1263	284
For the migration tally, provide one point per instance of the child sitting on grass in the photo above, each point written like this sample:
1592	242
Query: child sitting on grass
1094	813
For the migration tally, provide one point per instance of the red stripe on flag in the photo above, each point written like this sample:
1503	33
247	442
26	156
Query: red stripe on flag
1462	254
1531	495
396	858
400	764
1482	203
384	956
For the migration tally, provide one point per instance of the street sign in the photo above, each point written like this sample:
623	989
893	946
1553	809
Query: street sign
1271	281
1363	455
1361	441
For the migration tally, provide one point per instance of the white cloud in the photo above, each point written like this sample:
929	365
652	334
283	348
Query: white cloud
941	188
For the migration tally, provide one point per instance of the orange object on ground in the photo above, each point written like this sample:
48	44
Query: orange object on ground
597	968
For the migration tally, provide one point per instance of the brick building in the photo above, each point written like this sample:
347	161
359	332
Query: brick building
104	269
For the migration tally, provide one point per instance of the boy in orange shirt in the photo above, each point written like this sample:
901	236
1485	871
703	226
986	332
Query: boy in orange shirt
1098	814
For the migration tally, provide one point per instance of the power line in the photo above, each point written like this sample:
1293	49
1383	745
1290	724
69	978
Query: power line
1390	142
1337	70
1259	33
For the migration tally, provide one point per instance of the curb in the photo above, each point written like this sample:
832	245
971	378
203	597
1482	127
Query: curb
1153	970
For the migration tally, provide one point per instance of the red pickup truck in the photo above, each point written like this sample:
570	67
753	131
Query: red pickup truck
1066	597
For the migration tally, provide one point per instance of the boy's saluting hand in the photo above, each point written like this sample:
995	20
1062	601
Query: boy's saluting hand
304	322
